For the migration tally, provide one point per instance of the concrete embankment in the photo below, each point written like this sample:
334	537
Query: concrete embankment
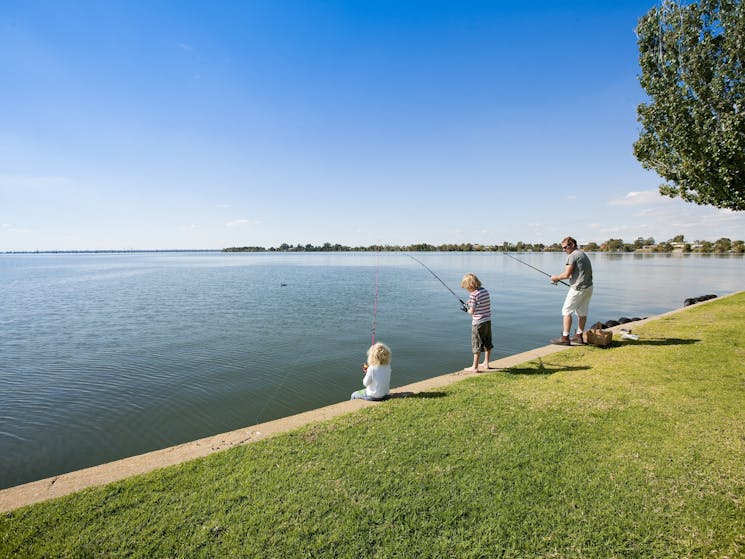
58	486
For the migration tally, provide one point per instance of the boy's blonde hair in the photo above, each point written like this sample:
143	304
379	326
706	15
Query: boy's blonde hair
470	281
379	354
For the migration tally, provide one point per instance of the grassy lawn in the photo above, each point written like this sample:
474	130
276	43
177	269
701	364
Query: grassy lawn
633	451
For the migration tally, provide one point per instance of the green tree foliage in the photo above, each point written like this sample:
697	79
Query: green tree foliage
722	245
693	127
663	247
612	245
707	246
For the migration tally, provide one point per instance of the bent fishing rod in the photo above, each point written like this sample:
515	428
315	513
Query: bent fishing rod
463	306
536	269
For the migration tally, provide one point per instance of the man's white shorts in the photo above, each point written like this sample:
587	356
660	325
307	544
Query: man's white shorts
577	301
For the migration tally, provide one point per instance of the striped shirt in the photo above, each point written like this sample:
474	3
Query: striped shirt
479	301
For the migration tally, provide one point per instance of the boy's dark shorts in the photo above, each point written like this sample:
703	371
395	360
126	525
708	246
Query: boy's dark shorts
481	337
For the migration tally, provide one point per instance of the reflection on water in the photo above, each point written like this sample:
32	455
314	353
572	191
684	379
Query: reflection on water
108	355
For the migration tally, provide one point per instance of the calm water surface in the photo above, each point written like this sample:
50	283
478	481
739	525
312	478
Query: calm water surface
104	356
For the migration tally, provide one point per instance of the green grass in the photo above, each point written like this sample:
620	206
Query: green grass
633	451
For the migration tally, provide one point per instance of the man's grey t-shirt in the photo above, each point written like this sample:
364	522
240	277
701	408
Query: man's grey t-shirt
581	270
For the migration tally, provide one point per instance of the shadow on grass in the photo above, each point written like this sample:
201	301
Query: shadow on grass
656	341
541	369
417	395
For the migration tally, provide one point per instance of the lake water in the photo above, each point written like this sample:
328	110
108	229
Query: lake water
104	356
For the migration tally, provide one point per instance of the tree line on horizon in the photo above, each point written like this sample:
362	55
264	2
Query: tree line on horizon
676	244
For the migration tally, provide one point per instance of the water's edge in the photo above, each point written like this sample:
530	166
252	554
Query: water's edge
71	482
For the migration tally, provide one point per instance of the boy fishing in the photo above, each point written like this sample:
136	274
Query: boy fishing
479	307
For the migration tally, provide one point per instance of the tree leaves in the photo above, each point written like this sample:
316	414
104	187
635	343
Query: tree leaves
693	129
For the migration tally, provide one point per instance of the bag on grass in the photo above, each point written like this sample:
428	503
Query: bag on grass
598	337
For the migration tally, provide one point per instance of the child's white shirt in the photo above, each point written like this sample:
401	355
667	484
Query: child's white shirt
377	381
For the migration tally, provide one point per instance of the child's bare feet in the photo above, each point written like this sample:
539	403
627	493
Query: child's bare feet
471	370
486	366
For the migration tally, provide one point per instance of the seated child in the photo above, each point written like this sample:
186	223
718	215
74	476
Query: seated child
377	370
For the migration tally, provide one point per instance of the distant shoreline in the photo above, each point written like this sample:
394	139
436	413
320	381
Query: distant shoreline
278	251
675	245
110	251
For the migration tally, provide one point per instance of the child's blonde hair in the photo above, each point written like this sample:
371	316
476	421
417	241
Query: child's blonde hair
470	281
379	354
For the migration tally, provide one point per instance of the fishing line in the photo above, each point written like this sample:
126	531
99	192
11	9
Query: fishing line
274	393
536	269
464	307
284	377
375	303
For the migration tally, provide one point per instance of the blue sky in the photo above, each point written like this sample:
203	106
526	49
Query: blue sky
162	124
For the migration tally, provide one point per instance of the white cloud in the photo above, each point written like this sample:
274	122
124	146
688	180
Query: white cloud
9	228
646	213
239	223
36	182
641	198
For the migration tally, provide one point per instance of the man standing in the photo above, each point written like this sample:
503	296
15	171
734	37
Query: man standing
579	273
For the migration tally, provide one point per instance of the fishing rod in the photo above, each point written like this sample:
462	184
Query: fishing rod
463	306
536	269
375	304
